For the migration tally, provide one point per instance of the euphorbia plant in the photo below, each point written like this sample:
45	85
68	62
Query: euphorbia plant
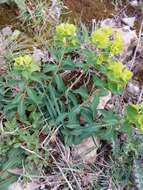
40	90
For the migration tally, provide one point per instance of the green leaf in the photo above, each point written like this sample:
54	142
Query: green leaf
72	117
68	64
82	91
21	4
17	99
12	162
99	82
39	77
49	68
90	57
131	112
21	85
73	126
110	118
127	128
5	183
76	129
10	108
109	134
15	156
21	108
52	93
33	96
59	83
26	75
72	98
61	118
86	114
50	107
94	105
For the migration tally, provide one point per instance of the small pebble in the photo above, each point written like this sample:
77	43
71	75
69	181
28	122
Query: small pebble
133	89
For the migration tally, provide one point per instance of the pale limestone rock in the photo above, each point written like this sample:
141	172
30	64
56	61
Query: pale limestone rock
103	101
15	186
130	21
86	151
129	38
19	186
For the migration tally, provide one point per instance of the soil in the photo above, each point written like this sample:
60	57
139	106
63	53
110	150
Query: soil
7	16
78	11
86	10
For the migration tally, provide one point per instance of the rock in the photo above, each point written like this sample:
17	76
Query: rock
134	3
129	38
6	31
133	88
103	101
56	8
32	186
15	35
86	151
2	61
130	21
19	186
138	66
15	186
41	55
109	22
3	1
37	54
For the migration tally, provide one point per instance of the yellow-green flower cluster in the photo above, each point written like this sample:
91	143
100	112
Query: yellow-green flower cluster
117	44
118	73
66	29
66	33
100	58
134	114
101	37
140	121
107	38
26	62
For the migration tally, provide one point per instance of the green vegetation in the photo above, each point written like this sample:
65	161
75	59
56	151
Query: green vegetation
58	97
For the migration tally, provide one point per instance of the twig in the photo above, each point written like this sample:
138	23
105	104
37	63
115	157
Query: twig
135	53
64	158
140	96
75	82
32	152
60	169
